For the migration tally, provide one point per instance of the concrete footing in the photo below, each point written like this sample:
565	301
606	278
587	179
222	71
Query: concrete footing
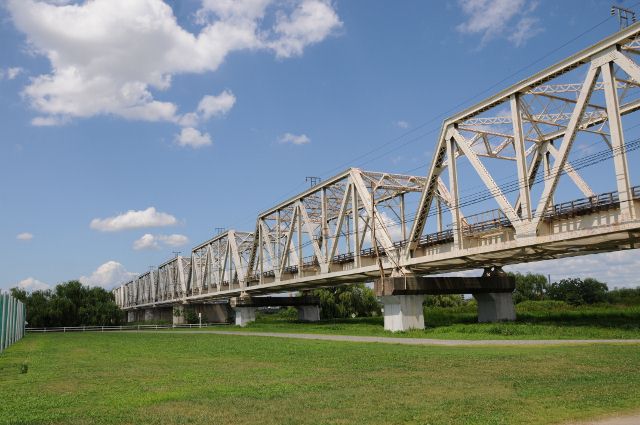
403	312
245	315
308	313
495	307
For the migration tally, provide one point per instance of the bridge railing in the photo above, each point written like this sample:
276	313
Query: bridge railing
12	320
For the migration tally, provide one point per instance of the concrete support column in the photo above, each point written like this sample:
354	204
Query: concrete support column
178	315
495	307
403	312
149	315
308	313
245	315
131	316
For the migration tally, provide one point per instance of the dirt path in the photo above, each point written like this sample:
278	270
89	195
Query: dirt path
412	341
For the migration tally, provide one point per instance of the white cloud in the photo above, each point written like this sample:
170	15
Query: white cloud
174	240
402	124
311	22
191	137
10	73
215	106
31	284
146	241
108	275
48	121
511	19
110	57
26	236
149	241
294	139
133	220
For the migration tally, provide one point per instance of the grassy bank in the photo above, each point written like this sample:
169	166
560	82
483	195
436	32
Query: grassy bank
535	320
174	378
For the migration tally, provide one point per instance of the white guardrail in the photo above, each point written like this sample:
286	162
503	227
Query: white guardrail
119	328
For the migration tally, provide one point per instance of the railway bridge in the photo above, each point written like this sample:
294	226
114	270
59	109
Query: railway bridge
538	171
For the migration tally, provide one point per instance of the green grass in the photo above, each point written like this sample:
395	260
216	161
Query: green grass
535	320
142	378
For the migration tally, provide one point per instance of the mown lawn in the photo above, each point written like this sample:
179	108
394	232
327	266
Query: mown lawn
142	378
535	320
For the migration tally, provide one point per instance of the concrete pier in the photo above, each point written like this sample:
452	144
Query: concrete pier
495	307
403	312
178	315
308	313
245	315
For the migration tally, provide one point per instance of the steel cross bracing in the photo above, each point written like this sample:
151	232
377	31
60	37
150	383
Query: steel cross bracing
360	224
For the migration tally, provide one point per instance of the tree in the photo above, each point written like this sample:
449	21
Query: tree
70	304
576	291
529	287
346	301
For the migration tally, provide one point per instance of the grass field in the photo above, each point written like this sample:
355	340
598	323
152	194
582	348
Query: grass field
542	320
139	378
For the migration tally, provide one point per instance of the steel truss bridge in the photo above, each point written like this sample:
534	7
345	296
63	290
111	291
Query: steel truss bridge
491	197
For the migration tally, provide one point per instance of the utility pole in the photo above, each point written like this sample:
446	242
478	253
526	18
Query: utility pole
626	17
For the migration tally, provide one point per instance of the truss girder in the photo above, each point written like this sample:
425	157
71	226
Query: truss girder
355	226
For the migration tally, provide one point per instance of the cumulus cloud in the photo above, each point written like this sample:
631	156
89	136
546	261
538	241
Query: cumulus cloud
214	106
311	22
294	139
191	137
110	57
492	19
133	220
25	236
149	241
108	275
31	284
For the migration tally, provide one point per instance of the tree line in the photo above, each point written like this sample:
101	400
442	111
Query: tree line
70	304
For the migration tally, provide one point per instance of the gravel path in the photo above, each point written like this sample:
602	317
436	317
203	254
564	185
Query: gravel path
413	341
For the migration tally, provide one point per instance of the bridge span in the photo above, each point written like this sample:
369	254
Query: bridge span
538	171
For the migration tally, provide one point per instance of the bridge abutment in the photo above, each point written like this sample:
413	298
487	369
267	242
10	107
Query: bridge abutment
403	312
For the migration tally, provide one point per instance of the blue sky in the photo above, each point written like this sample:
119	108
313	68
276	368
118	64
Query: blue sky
132	129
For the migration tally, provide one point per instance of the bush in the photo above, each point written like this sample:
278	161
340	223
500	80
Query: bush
624	296
443	300
576	291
